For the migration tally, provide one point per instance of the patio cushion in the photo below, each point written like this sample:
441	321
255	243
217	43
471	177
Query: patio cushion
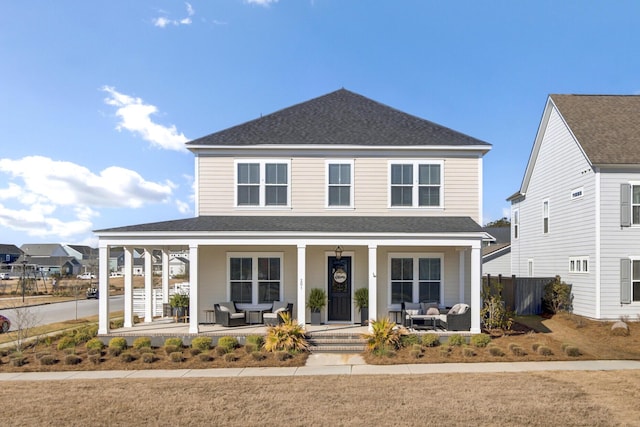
463	308
455	309
433	311
279	306
413	312
227	306
412	306
236	315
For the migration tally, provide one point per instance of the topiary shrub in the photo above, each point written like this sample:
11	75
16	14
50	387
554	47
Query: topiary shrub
456	340
72	359
430	340
543	350
94	344
168	349
48	359
118	342
257	340
572	351
173	341
141	342
127	357
468	352
229	357
66	342
201	343
481	340
176	357
495	351
228	343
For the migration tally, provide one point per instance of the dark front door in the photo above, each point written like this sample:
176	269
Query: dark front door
339	285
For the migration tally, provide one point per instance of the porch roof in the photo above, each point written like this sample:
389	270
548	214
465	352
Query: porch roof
306	224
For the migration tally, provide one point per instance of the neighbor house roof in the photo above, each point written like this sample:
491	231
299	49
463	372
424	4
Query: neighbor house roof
339	118
606	126
309	224
9	249
43	249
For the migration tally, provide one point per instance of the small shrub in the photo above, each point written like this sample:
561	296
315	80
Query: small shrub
445	351
141	342
417	347
416	354
42	354
116	324
118	342
468	352
94	344
409	340
93	351
148	358
258	340
481	340
127	357
70	350
258	355
168	349
194	351
430	340
557	296
543	350
72	359
205	357
516	350
176	357
95	359
201	343
495	351
66	342
511	345
535	346
384	336
114	351
81	336
229	357
173	341
48	359
221	351
250	348
286	336
282	356
572	351
228	343
384	352
18	360
456	340
144	350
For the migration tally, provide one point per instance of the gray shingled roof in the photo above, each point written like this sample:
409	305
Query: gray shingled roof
606	126
309	224
338	118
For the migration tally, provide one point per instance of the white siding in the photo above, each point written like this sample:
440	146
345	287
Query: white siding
498	265
559	168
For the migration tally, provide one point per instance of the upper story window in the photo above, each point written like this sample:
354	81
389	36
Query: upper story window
416	184
545	216
515	220
340	183
262	183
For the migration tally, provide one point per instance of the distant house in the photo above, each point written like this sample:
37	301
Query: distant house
496	252
54	258
9	253
577	212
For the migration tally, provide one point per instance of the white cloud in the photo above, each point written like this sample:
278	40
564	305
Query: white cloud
135	116
163	21
183	207
262	2
49	197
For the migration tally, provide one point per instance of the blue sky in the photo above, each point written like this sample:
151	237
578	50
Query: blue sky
98	97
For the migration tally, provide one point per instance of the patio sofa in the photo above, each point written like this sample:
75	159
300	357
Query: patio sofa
227	314
458	318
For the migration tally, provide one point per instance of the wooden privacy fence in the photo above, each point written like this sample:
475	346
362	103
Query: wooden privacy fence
520	294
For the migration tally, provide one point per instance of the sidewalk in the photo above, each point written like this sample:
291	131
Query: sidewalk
332	364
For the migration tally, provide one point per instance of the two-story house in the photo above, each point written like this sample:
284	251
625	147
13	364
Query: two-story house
338	193
577	213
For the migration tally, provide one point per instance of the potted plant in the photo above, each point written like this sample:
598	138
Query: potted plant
361	299
180	304
317	300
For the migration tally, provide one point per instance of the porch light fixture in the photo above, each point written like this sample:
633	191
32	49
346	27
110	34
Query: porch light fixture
338	252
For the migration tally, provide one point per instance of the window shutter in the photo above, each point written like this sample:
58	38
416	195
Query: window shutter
625	281
625	205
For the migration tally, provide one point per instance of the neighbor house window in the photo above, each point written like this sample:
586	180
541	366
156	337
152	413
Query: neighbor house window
416	184
545	216
416	278
262	183
516	223
577	193
339	184
255	279
579	264
530	267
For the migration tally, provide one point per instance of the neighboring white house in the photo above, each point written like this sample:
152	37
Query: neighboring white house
577	213
338	193
496	252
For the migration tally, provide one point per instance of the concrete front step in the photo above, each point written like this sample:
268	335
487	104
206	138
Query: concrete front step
336	348
336	343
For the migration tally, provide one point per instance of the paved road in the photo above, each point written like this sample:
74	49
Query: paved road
61	311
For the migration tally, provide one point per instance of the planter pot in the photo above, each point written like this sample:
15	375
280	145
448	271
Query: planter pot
364	316
180	313
315	318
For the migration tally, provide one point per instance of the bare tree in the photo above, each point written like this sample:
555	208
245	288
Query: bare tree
24	320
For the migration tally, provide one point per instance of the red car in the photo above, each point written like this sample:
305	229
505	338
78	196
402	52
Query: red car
5	324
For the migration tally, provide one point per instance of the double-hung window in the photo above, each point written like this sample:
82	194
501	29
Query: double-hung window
255	279
635	204
340	184
545	216
416	184
515	220
416	278
635	281
262	183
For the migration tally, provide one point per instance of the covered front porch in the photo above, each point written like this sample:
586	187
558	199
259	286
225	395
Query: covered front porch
257	267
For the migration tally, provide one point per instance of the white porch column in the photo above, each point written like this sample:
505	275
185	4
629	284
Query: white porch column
301	285
128	286
476	279
148	285
373	284
461	272
165	275
103	289
194	308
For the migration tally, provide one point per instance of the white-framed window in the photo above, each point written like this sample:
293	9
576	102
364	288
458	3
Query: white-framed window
262	183
577	193
545	216
254	278
579	264
635	204
415	277
339	175
515	220
530	267
416	183
635	280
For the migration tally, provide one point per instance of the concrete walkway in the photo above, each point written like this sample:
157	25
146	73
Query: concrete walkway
332	364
